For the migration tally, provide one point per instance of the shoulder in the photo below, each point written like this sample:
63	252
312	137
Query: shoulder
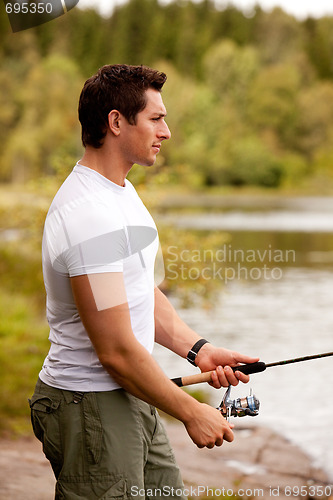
130	189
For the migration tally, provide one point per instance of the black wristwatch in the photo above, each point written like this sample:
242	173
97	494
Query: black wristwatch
192	353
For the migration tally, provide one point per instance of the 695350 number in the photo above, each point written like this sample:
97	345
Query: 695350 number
28	8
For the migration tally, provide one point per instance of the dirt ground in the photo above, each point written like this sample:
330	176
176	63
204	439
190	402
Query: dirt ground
258	464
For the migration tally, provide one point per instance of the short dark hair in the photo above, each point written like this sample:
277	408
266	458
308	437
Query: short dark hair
119	86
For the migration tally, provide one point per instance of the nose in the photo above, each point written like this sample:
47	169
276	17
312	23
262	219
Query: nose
164	133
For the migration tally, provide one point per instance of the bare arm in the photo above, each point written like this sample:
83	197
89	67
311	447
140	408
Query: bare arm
172	332
133	368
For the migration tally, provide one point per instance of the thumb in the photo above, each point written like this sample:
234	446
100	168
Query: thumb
228	435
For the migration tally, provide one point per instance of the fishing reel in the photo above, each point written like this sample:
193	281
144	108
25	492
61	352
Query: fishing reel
240	407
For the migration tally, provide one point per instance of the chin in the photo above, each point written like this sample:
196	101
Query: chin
147	163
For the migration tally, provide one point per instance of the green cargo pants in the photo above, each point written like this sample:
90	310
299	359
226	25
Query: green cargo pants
104	445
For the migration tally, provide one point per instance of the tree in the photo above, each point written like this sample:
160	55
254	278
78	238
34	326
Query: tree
318	44
273	101
278	36
230	71
48	121
315	119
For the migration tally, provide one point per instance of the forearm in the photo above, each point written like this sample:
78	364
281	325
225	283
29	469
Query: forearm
134	369
170	330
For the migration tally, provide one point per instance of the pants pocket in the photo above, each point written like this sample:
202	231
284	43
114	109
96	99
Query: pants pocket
93	431
102	489
45	424
117	491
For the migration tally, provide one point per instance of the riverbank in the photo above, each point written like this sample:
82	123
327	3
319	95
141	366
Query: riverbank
258	464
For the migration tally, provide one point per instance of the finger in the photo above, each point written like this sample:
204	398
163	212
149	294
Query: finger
219	442
242	377
222	377
215	380
228	435
243	358
230	376
209	445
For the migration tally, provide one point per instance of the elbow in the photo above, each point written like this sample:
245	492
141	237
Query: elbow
116	365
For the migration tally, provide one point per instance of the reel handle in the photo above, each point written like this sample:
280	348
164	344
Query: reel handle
198	378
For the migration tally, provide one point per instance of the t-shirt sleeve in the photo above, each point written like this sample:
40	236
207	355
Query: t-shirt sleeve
85	240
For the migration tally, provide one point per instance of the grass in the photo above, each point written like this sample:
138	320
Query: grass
24	344
23	328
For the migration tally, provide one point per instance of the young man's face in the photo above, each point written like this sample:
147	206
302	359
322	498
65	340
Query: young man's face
142	141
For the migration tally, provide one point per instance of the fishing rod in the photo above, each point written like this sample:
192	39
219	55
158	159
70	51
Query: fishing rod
248	369
250	404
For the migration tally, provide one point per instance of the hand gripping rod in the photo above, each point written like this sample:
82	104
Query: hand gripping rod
248	369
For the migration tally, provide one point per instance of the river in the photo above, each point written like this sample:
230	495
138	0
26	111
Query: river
278	315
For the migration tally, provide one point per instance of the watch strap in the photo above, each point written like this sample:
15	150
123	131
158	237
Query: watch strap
192	353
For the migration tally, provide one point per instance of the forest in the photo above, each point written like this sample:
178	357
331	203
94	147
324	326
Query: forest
248	93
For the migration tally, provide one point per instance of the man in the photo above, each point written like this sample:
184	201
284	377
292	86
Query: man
94	403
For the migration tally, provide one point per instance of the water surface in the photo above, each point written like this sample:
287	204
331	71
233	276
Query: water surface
276	319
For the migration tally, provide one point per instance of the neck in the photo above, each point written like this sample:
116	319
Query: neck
107	164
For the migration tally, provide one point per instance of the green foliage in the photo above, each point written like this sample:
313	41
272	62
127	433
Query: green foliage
190	264
230	69
273	101
200	395
236	81
258	79
253	164
315	119
318	44
23	328
24	344
46	122
278	36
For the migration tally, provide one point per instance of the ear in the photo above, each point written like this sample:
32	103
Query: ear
114	119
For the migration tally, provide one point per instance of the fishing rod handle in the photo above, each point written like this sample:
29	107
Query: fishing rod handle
257	367
198	378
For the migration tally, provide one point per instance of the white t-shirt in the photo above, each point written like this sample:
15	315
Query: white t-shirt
94	226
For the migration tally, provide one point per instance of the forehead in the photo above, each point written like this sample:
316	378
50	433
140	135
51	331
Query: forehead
154	103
